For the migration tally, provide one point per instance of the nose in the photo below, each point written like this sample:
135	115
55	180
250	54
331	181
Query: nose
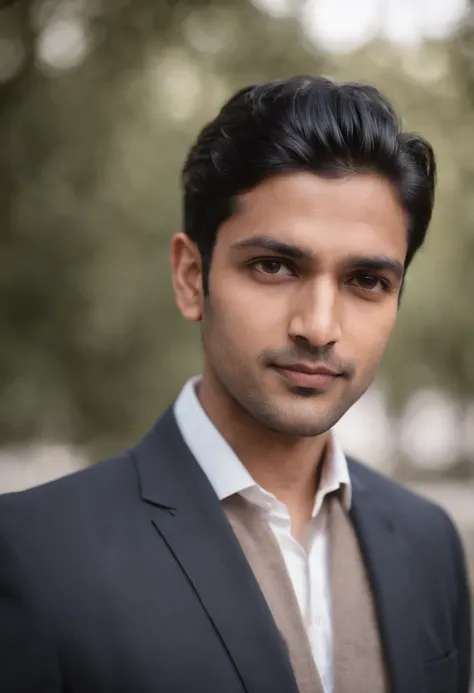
315	319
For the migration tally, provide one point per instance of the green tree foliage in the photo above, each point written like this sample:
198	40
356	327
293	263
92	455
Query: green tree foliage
91	346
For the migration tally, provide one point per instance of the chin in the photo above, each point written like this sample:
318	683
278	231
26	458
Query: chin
291	415
306	425
300	429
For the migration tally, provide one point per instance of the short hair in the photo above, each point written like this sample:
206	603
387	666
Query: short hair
303	124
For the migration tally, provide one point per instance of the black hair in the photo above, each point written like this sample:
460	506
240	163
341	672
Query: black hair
303	124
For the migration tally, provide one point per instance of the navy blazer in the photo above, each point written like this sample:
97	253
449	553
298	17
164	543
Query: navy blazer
126	577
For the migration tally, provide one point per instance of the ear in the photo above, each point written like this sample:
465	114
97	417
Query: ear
186	268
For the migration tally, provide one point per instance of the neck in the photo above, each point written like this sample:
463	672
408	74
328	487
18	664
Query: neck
286	466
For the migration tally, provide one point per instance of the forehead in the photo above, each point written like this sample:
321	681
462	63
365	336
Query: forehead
355	214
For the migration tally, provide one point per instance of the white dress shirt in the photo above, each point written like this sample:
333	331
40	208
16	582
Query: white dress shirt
308	566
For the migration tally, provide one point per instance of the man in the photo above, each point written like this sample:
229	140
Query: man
235	548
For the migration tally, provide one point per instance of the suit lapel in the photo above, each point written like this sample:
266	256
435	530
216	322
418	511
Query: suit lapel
187	514
388	568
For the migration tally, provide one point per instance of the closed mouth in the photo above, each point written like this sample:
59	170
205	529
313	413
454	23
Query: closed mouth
310	370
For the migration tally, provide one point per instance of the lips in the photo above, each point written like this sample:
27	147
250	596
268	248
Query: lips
314	377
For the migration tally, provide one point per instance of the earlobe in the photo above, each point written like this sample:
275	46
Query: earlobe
186	270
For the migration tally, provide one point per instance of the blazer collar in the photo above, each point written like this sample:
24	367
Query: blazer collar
166	468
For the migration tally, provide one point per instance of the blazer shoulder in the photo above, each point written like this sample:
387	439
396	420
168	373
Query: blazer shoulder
420	517
70	495
388	489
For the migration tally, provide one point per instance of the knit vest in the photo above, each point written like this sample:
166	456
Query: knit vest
358	662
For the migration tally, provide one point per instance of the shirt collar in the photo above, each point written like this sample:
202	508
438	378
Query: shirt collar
224	470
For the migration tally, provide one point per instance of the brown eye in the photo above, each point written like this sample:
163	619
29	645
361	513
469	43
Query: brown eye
272	267
369	282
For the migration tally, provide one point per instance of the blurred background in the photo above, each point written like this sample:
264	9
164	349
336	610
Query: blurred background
99	102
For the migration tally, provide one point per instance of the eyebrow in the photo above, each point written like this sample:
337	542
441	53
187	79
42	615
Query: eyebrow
376	263
268	243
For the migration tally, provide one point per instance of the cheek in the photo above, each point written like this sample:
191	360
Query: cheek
248	315
368	337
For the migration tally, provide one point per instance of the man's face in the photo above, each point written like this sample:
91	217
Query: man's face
303	295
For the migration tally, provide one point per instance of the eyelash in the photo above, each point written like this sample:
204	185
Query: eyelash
283	263
385	285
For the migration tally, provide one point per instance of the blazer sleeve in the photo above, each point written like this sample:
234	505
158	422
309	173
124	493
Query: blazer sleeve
462	623
28	662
